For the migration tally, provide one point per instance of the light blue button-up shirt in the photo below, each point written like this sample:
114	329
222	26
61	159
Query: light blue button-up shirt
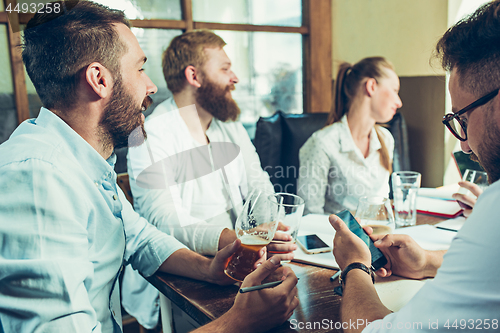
66	229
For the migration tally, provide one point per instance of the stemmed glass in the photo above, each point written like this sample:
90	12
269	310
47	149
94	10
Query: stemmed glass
255	227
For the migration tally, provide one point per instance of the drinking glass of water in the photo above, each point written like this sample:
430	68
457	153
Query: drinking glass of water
376	212
292	207
405	185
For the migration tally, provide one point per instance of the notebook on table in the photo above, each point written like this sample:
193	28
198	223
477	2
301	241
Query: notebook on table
438	207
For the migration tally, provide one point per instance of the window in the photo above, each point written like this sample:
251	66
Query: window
280	49
8	116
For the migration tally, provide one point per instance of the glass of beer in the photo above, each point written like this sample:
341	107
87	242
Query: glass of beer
376	212
255	227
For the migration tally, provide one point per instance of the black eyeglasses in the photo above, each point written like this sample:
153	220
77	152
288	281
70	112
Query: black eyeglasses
454	122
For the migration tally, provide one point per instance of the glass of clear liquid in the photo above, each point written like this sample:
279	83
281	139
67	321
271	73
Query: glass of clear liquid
376	212
405	185
480	178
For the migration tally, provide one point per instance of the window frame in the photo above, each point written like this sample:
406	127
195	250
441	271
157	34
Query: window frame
316	31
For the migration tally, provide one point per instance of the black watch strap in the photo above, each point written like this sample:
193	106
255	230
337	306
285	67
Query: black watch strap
356	265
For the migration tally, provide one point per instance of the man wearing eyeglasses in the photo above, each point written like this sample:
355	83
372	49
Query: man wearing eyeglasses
457	124
464	294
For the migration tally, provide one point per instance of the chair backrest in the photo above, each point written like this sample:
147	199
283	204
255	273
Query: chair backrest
278	139
397	127
123	181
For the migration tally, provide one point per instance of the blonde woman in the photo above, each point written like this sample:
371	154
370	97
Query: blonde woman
351	156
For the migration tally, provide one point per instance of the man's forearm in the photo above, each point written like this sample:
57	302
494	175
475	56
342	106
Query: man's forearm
187	263
360	301
228	323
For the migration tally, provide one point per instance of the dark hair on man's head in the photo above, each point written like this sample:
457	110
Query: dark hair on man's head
59	46
472	48
187	50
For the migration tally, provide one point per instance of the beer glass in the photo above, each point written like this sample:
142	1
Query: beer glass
255	227
376	212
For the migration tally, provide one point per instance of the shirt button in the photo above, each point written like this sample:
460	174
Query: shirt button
96	184
115	197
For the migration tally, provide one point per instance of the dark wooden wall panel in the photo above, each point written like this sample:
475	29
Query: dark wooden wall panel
423	108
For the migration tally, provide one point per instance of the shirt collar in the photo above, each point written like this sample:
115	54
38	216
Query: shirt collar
347	142
374	141
96	167
212	127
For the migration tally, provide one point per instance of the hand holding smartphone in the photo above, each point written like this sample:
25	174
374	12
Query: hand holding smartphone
378	258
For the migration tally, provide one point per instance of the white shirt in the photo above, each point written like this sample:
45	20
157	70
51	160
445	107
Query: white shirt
196	207
466	288
333	172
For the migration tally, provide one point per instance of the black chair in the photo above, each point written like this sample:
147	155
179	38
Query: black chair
397	127
278	139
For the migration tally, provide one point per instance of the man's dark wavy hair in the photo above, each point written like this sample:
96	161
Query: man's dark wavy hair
58	47
472	47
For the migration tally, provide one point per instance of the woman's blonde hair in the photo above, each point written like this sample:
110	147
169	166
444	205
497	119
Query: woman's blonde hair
347	84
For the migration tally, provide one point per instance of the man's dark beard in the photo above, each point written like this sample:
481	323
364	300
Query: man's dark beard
489	152
122	116
213	98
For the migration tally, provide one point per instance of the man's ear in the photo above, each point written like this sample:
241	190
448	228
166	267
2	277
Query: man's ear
192	76
99	79
370	86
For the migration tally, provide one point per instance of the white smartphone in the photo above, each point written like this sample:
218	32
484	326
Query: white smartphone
312	244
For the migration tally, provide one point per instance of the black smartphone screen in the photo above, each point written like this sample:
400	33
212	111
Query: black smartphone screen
378	258
311	242
464	162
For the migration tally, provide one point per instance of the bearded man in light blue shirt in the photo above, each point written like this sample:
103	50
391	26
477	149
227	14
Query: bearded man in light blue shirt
66	229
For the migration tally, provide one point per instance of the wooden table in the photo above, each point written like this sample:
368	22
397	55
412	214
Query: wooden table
318	306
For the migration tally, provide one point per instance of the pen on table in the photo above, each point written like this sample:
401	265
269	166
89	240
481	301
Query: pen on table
448	229
336	275
262	286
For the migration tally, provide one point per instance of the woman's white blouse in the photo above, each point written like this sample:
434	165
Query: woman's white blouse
333	172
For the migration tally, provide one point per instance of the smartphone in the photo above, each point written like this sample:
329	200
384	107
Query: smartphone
463	205
312	244
378	258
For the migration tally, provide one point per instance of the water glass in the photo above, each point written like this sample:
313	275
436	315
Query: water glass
405	185
480	178
376	212
292	208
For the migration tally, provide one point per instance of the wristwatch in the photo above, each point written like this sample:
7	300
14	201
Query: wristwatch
355	265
